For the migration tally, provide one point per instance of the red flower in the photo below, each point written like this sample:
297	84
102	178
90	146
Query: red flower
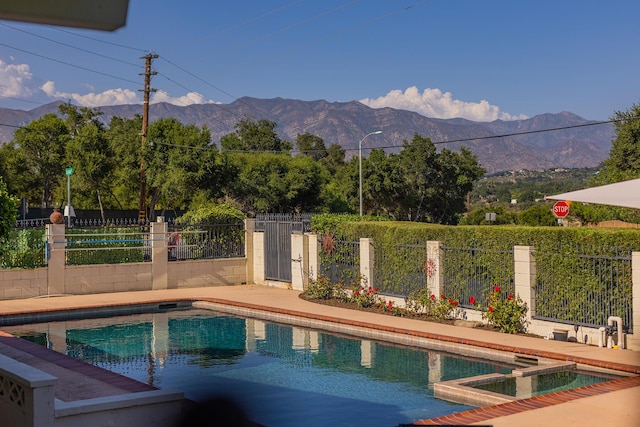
496	289
450	301
490	308
472	300
443	297
455	303
433	297
390	304
357	294
377	289
510	297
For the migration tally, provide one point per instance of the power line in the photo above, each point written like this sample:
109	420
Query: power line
98	40
69	64
71	46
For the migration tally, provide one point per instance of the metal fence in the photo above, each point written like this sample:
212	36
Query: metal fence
400	270
111	246
475	271
339	260
206	241
580	286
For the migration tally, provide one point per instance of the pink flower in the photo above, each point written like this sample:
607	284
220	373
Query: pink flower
472	300
496	289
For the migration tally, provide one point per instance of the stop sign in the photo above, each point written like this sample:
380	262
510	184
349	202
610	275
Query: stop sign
560	209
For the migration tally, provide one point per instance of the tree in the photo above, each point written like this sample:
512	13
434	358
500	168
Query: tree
538	215
8	211
269	182
622	164
178	160
123	136
436	184
43	142
90	155
18	178
92	160
311	145
624	158
254	136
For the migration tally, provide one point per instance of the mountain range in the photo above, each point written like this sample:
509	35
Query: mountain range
546	141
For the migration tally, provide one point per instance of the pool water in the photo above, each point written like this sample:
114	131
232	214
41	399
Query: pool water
281	375
546	383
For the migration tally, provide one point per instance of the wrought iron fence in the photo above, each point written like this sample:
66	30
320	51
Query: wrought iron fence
109	246
339	259
584	286
206	241
474	271
400	270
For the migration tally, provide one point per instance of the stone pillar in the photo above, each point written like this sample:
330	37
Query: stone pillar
525	277
299	261
525	386
314	256
633	340
258	258
159	256
56	244
433	268
367	265
249	229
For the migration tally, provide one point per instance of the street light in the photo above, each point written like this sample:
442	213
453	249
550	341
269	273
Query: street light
377	132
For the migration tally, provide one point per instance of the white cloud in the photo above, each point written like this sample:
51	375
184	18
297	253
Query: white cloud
188	99
15	80
436	104
108	97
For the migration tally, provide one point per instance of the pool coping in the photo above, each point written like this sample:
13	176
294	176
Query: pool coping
466	417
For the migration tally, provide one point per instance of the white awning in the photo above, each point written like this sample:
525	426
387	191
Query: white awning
625	194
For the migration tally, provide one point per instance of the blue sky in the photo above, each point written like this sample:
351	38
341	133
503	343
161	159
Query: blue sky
481	60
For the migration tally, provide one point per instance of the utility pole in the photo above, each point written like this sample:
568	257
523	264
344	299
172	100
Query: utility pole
142	207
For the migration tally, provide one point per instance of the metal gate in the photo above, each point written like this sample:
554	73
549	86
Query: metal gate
277	230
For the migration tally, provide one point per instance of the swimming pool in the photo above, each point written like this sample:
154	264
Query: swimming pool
282	375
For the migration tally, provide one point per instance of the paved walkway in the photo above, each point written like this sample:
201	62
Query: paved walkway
613	404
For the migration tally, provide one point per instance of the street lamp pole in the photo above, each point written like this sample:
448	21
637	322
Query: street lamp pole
377	132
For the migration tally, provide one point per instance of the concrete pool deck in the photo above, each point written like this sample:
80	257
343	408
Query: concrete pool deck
613	403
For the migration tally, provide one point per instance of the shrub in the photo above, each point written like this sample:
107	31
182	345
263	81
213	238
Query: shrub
364	296
322	288
424	302
508	313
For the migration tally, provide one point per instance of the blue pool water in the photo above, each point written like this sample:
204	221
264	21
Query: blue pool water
282	375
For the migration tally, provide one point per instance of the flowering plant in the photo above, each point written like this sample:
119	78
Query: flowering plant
508	313
364	296
423	301
389	307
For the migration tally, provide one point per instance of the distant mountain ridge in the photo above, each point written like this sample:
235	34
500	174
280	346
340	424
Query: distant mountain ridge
345	123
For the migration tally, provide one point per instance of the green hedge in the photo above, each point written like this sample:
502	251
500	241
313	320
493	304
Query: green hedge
583	274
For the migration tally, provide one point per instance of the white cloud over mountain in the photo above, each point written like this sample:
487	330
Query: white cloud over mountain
436	104
15	80
188	99
108	97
